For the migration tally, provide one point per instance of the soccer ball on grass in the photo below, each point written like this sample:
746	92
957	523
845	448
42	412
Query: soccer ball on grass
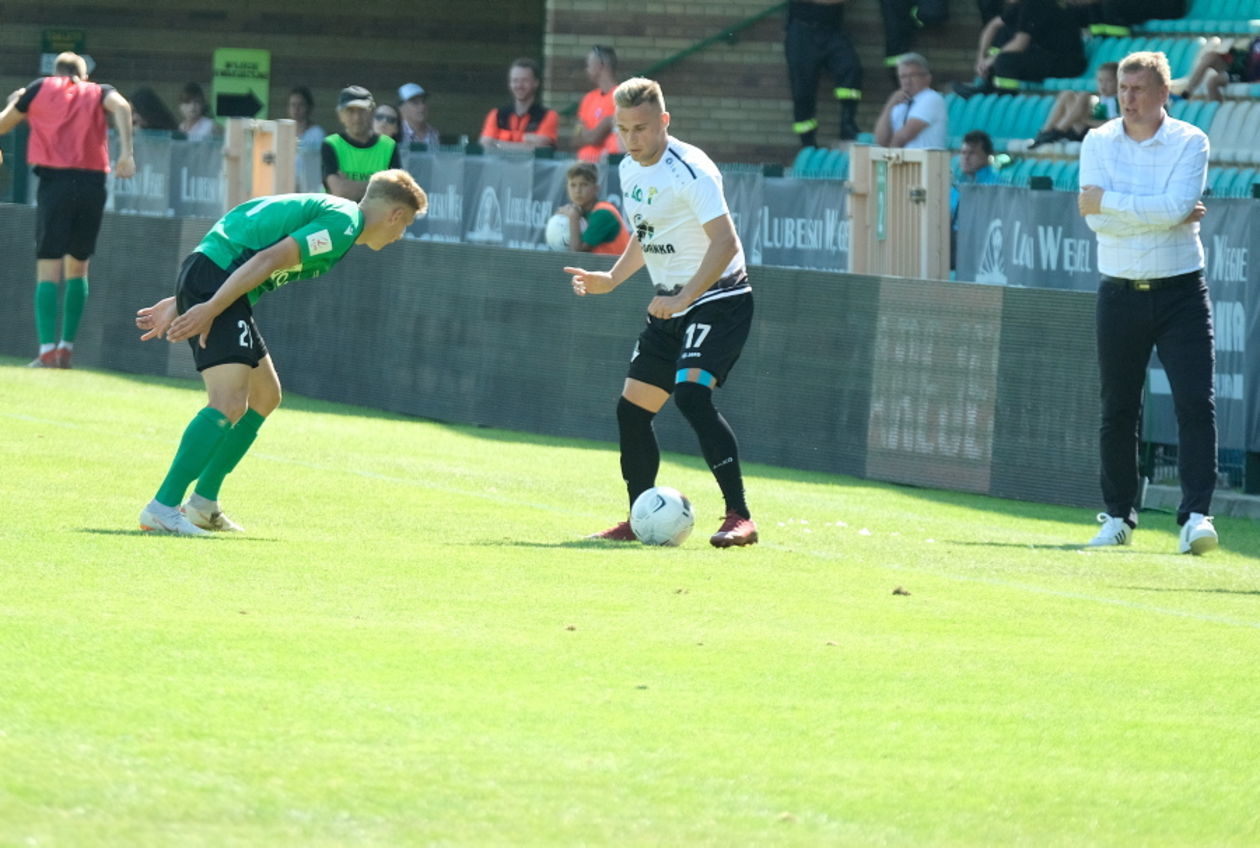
662	516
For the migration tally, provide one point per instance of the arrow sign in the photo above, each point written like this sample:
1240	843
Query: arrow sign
237	105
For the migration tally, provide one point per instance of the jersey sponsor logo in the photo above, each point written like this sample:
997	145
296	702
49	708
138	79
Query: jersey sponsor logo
658	248
644	232
638	195
281	275
317	243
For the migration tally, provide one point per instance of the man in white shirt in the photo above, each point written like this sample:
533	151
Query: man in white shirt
413	107
702	312
915	116
1142	175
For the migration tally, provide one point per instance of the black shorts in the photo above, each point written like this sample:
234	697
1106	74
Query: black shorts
234	336
710	337
69	205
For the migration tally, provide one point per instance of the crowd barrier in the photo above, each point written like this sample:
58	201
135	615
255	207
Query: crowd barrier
912	381
1018	237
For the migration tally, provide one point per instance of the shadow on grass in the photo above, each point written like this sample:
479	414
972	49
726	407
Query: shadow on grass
114	531
571	544
1074	546
1178	590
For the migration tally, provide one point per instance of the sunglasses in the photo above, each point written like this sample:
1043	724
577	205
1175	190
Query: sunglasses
389	119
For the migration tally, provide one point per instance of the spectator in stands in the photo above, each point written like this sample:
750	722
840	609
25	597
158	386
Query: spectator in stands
301	106
69	149
1141	180
595	226
1077	112
594	135
915	116
351	156
194	111
414	108
385	120
525	123
1220	62
148	112
1115	17
975	167
1030	40
816	38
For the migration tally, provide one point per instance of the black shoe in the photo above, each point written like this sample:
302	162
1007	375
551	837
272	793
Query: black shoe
1047	137
966	89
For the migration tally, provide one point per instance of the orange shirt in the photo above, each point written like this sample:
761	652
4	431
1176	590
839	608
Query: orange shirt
595	106
503	124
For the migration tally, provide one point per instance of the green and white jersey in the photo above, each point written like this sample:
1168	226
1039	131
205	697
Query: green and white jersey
323	225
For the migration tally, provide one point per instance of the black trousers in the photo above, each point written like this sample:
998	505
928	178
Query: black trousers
1177	322
810	47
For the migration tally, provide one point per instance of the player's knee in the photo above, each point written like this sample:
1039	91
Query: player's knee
693	399
630	414
232	405
266	404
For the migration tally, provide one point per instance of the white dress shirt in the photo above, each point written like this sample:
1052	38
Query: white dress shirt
1149	187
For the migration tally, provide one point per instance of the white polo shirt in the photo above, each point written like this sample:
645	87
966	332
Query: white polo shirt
928	106
1149	187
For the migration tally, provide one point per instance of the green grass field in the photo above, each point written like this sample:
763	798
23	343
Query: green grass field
413	646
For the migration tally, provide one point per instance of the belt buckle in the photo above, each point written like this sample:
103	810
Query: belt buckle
1141	285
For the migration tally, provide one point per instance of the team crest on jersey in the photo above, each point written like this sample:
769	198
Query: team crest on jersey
317	243
639	196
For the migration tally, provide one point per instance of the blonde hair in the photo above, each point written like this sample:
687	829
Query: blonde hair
1153	61
397	187
639	90
70	63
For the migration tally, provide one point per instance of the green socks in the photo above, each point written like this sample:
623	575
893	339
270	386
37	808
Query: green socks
46	312
202	438
46	309
231	449
76	297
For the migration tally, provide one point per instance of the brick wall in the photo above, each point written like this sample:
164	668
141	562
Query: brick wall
459	51
733	98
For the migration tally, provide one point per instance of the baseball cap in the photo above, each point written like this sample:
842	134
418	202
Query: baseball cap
355	95
410	90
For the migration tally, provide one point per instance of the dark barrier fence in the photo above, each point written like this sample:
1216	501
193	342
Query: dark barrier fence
978	388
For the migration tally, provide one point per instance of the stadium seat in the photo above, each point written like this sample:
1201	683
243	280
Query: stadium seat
805	164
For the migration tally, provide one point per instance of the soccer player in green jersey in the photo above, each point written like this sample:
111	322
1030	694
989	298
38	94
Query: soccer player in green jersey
255	248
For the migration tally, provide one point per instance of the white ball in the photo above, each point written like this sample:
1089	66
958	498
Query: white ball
662	516
558	232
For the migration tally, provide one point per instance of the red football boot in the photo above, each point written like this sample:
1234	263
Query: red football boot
735	531
619	532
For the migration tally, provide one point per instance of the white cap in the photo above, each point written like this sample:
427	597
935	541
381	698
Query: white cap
410	90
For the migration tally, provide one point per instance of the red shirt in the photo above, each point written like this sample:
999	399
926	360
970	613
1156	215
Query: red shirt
503	124
67	120
595	106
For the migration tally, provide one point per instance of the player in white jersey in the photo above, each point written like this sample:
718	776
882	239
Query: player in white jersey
702	312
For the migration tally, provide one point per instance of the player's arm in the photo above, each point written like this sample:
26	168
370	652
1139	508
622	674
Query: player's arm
11	117
120	110
723	246
197	320
602	282
1169	207
343	186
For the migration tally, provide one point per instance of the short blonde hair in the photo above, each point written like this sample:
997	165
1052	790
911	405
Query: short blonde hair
638	90
1153	61
70	63
397	187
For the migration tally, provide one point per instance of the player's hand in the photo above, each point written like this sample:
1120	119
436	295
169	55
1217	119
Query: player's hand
568	210
195	322
665	307
1089	202
156	319
590	282
1196	214
125	167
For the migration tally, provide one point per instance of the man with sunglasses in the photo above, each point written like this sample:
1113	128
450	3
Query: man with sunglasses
351	156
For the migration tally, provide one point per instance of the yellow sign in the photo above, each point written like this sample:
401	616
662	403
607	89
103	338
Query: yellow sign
242	83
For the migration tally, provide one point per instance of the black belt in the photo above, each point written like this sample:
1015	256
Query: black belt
1153	283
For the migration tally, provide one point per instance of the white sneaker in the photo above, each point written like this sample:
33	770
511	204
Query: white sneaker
1198	536
159	521
215	520
1114	531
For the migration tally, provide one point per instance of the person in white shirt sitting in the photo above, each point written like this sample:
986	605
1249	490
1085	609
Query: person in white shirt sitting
915	116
